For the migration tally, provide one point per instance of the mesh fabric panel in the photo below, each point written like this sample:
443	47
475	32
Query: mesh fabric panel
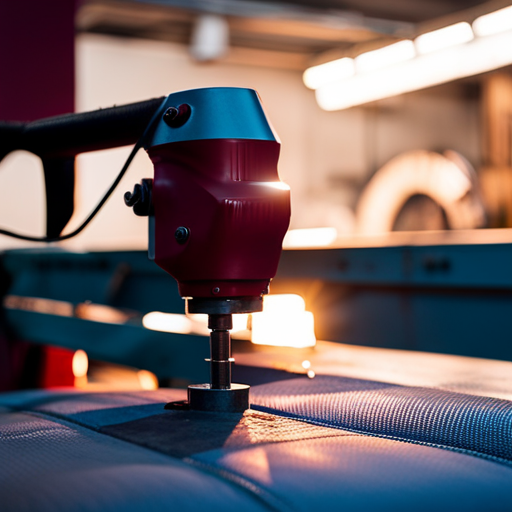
479	424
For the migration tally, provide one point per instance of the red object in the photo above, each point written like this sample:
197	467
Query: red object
228	195
57	368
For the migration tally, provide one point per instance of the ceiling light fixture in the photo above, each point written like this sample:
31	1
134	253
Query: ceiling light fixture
316	76
386	56
210	38
444	38
494	22
480	55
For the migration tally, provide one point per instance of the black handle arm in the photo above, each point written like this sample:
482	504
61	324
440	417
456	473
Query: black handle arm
70	134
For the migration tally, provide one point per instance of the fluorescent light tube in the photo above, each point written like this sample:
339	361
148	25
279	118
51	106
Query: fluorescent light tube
333	71
444	38
478	56
383	57
494	22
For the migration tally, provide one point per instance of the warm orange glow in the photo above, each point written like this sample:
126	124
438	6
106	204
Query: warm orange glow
279	185
38	305
283	304
240	322
80	364
256	466
196	324
201	323
314	237
148	380
101	313
283	322
85	310
168	322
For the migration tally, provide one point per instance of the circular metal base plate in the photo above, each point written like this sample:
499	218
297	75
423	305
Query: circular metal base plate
224	306
202	398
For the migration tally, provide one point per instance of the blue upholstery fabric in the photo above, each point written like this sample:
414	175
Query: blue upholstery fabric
54	466
78	452
355	473
423	415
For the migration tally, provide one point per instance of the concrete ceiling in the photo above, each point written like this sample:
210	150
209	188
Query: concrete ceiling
303	31
415	11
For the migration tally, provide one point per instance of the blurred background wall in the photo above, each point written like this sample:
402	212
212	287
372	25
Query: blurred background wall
132	50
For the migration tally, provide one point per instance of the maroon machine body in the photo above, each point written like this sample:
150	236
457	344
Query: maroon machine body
221	213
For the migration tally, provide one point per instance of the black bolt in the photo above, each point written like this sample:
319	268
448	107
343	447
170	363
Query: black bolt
216	290
177	116
182	234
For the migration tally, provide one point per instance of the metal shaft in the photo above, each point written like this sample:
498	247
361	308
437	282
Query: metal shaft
220	351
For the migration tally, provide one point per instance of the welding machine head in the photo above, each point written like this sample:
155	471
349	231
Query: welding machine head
220	210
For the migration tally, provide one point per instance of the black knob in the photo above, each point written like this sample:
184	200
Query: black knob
182	234
177	116
140	198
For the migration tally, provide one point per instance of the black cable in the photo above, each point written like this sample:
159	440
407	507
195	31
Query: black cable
106	196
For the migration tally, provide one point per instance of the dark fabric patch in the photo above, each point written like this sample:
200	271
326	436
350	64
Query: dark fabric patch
185	433
102	417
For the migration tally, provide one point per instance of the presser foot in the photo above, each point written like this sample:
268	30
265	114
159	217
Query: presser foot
201	397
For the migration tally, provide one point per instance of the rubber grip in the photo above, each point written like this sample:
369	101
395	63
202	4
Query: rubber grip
70	134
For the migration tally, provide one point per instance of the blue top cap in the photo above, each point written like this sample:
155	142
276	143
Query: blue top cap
216	113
